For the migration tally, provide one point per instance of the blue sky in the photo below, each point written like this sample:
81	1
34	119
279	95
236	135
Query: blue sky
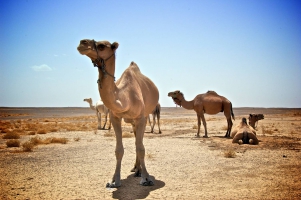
247	51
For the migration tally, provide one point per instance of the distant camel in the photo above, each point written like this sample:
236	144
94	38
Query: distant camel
254	118
156	112
244	133
100	108
210	103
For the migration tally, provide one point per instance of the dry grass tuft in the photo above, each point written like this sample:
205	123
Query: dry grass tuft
77	139
224	128
59	140
27	146
230	153
150	156
266	131
13	143
41	131
127	135
11	135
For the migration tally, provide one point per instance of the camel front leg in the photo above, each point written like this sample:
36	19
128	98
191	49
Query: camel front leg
119	151
140	151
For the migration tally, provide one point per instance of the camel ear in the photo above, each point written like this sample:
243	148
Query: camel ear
114	46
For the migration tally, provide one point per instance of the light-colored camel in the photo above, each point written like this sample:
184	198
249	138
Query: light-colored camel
210	103
244	133
254	118
155	113
133	97
99	107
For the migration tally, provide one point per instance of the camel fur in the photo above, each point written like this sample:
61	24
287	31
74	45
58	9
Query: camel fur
155	113
210	103
244	133
99	107
133	97
254	118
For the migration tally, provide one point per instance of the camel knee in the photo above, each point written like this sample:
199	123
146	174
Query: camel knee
119	153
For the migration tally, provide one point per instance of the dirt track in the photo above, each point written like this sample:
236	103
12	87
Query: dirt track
184	167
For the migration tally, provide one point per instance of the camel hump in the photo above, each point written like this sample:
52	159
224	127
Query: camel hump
134	67
212	92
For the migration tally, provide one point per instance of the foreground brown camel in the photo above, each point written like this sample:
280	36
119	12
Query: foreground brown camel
133	97
210	103
156	112
254	118
99	108
244	133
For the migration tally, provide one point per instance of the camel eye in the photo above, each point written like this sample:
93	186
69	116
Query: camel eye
101	47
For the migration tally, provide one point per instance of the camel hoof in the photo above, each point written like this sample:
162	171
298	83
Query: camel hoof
197	136
147	183
137	174
205	136
112	185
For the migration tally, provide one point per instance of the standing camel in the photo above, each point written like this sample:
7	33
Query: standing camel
100	108
133	97
210	103
155	112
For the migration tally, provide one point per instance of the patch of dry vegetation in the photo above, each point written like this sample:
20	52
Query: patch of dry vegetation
230	153
13	143
31	143
11	135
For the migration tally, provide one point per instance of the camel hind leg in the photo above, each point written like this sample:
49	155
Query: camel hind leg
230	123
154	123
106	119
158	118
140	151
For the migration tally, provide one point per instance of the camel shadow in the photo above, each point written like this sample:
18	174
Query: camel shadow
131	189
223	137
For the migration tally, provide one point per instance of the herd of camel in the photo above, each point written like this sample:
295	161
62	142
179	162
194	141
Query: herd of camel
133	97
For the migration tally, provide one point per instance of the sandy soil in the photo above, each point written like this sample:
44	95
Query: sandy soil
183	167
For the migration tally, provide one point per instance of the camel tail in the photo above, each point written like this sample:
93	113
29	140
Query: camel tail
232	113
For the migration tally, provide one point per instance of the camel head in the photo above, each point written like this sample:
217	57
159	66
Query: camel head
253	118
97	50
176	96
244	121
89	100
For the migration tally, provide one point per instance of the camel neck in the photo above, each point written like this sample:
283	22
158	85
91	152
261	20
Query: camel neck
107	88
187	104
92	106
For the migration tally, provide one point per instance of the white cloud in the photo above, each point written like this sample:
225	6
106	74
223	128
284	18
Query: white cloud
41	68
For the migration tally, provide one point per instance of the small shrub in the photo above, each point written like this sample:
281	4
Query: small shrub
59	140
266	131
27	146
127	135
13	143
31	133
41	131
11	135
36	140
230	153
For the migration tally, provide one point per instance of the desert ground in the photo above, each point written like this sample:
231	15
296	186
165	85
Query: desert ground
82	160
